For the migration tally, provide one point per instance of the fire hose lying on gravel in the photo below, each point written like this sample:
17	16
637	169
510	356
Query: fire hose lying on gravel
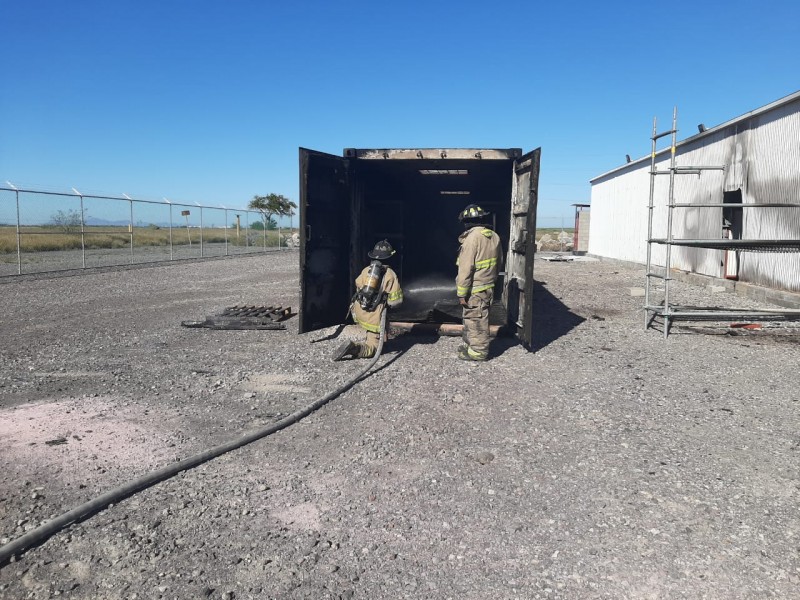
87	509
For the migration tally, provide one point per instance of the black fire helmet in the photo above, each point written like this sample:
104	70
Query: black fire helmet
381	251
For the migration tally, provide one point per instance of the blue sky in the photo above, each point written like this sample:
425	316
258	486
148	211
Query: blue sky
208	101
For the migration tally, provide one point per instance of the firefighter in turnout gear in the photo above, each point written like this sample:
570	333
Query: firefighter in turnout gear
376	287
479	262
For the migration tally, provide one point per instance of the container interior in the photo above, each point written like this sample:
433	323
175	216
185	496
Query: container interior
415	205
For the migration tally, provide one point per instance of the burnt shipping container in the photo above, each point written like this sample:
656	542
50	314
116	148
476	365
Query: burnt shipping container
412	197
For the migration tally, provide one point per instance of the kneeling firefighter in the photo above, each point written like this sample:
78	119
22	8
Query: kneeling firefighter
376	286
479	261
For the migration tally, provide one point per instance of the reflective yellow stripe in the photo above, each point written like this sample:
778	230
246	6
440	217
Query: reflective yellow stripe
487	233
465	291
486	263
368	326
395	295
475	353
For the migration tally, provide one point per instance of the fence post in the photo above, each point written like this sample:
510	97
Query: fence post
171	251
291	226
201	232
83	231
131	229
226	232
19	234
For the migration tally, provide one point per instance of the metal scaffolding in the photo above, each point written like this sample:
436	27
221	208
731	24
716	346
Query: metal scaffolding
670	311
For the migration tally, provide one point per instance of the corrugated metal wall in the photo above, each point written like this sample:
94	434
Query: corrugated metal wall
761	154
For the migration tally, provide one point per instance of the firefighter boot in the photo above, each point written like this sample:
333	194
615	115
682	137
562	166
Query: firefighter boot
467	353
346	349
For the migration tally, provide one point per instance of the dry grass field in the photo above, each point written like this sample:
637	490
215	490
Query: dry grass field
50	238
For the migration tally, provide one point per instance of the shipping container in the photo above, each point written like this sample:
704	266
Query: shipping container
412	197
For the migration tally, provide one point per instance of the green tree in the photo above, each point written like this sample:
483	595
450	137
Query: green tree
272	205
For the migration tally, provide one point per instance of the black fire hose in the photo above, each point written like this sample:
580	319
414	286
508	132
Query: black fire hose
87	509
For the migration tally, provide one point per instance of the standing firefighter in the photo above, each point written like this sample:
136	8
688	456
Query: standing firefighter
479	261
376	287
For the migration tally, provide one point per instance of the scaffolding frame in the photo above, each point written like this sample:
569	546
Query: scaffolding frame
669	311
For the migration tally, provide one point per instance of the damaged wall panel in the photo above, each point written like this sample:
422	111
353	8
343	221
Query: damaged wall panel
761	155
411	197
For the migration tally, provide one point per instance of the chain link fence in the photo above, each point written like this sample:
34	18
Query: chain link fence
42	231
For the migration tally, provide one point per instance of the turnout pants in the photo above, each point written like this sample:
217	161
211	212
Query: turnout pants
370	322
476	323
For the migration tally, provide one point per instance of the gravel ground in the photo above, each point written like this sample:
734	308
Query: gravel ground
609	463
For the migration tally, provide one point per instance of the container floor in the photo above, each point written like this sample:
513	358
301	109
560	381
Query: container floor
434	301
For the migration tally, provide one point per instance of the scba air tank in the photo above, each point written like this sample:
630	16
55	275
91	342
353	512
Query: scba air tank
370	292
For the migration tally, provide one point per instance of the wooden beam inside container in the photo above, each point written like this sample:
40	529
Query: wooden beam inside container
445	329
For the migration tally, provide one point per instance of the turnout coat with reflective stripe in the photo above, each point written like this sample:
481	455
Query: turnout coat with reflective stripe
479	261
390	285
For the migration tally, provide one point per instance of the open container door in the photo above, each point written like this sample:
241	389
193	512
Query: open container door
518	283
324	239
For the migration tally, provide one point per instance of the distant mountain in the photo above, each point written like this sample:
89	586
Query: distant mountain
96	221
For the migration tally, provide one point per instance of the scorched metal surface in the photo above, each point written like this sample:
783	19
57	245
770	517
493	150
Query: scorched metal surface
412	198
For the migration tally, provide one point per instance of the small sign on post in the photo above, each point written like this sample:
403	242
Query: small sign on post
186	213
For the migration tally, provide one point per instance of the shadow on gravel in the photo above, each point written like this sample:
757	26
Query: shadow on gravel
551	320
399	345
393	349
551	317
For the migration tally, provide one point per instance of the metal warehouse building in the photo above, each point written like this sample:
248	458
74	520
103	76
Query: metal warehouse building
753	159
